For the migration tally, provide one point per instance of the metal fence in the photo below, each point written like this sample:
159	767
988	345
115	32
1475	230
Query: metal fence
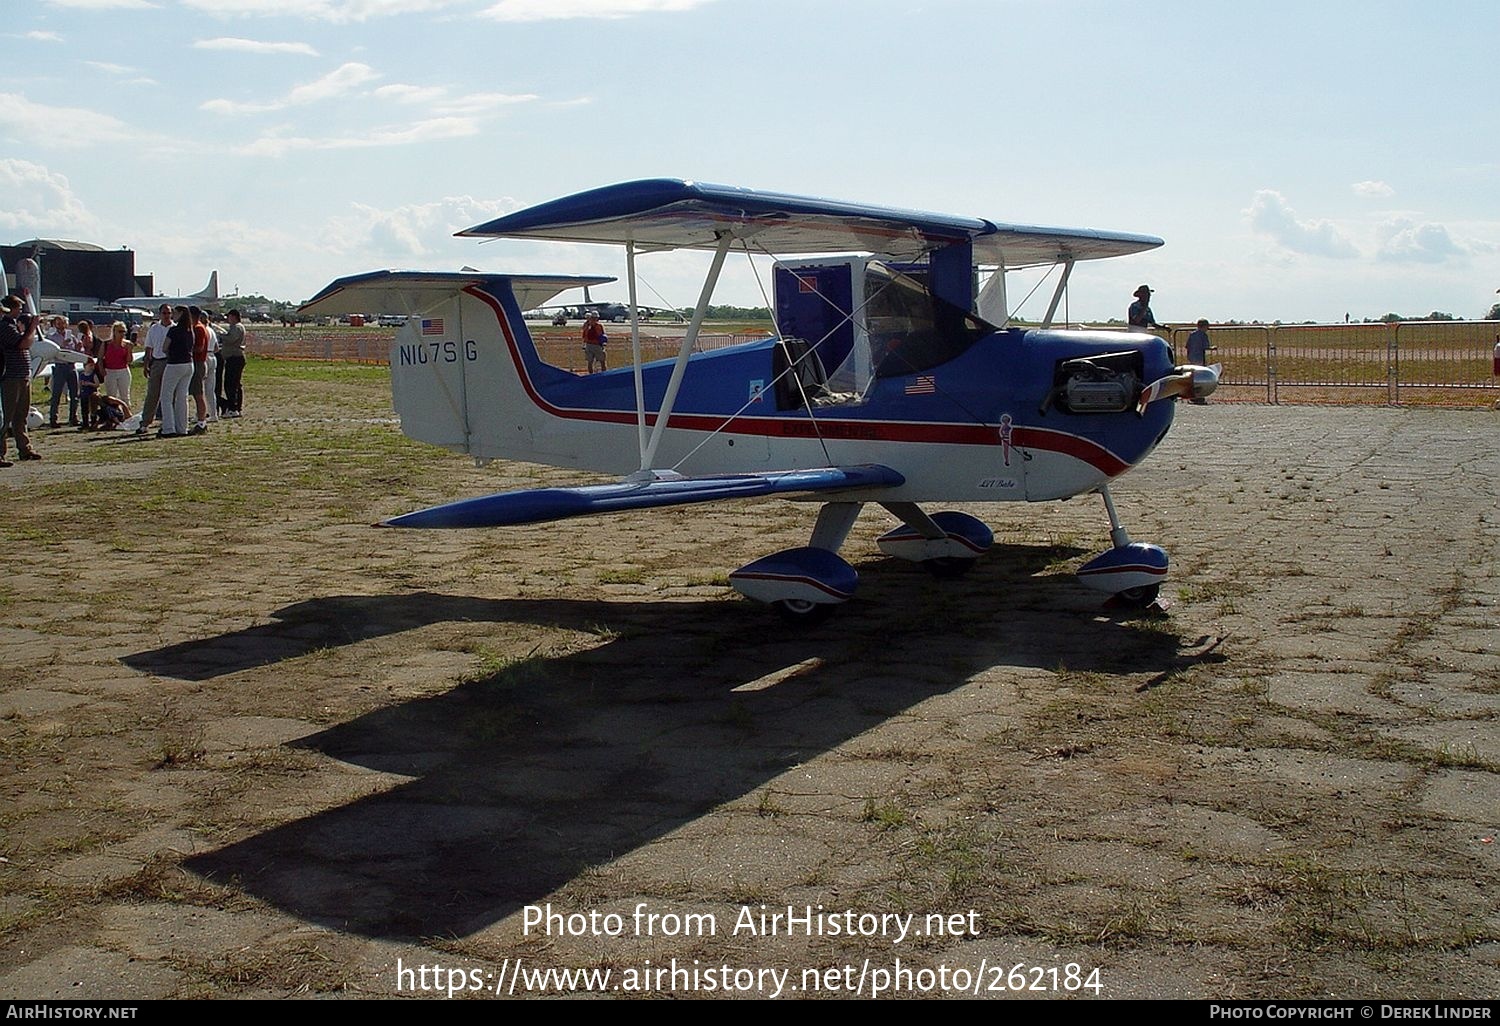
1406	362
1447	363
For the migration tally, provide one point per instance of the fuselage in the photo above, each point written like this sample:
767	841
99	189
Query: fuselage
981	416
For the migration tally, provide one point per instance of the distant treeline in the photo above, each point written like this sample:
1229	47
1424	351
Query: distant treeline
731	313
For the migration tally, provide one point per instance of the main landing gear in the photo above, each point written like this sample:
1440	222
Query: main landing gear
804	585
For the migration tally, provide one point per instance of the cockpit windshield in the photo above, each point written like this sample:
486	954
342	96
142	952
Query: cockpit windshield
899	329
910	329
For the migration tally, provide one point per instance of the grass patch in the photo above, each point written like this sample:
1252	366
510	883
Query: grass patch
885	814
622	575
769	807
179	749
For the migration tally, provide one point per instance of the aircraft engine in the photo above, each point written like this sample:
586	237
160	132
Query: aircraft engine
1096	384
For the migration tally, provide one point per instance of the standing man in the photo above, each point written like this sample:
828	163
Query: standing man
156	365
1140	316
593	341
65	372
17	331
232	359
1198	346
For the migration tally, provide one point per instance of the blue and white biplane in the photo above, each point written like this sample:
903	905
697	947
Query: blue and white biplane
891	378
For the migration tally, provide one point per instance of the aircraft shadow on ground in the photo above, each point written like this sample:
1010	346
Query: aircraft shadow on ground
524	779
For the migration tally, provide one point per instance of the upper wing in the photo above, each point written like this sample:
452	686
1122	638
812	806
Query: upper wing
666	213
538	505
413	291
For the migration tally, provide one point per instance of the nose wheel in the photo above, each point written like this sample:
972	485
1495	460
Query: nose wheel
1131	573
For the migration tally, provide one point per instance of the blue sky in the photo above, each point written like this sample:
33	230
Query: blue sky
1302	161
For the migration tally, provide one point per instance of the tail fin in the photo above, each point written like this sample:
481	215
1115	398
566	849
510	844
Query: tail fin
209	292
464	372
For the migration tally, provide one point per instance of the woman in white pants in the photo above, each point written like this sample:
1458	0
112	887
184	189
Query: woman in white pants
178	376
117	354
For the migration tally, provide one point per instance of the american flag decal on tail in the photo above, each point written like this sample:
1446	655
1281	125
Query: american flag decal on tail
432	325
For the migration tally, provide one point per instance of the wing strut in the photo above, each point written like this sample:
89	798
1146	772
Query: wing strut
635	349
688	341
1057	294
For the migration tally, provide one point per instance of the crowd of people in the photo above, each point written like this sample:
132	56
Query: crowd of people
183	356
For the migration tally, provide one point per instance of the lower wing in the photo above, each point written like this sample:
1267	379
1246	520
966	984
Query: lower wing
539	505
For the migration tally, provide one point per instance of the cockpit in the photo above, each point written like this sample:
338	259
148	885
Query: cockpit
847	323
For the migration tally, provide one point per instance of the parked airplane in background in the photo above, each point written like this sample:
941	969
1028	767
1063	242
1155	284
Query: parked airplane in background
891	379
207	297
612	312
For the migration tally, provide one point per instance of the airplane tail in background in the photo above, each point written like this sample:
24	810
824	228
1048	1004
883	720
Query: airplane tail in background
210	292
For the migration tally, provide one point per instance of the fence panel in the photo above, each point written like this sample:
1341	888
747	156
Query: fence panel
1445	361
1244	352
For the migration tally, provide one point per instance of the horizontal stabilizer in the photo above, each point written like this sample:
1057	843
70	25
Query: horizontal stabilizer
539	505
413	292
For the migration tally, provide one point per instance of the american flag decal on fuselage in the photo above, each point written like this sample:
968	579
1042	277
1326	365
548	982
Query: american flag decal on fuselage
432	325
922	384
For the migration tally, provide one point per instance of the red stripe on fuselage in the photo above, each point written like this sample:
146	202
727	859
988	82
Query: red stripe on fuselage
1076	446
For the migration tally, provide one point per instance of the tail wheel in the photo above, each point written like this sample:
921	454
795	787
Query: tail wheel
802	612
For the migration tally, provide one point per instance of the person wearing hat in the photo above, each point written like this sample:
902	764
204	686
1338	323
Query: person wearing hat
17	331
1140	315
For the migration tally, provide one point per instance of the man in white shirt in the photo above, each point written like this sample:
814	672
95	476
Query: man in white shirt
156	365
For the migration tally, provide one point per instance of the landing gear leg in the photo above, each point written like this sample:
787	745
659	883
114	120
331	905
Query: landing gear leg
835	521
1118	536
946	545
1131	572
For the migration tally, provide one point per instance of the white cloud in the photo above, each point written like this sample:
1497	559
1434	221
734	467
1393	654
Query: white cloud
437	97
481	103
43	36
430	130
341	80
1402	240
338	82
38	200
104	5
338	11
1373	190
38	123
253	46
401	93
418	230
112	69
549	10
233	107
1270	215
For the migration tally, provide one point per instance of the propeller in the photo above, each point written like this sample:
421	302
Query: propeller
1188	381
